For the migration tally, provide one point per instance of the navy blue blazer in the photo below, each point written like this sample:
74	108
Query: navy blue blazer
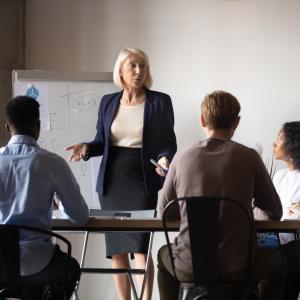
158	135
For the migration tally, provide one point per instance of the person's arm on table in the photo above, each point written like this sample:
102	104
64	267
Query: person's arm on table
266	202
68	191
168	193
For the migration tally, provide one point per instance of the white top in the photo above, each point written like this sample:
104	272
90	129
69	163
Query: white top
287	184
127	127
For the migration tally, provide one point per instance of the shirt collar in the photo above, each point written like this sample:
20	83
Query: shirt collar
23	139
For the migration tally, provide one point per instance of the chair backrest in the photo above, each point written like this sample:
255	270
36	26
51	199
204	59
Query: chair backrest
10	252
9	255
205	216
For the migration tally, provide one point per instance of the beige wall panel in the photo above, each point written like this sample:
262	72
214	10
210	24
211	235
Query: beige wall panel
11	51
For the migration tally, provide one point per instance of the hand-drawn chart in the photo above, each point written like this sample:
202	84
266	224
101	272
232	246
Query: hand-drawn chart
73	111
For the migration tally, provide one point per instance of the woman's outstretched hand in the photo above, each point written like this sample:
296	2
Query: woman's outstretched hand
78	151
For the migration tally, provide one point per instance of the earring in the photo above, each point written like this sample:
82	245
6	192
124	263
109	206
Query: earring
290	159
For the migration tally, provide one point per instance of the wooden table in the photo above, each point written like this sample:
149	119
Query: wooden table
103	224
113	224
278	226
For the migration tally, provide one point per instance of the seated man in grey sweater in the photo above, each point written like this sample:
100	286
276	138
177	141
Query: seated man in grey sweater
218	166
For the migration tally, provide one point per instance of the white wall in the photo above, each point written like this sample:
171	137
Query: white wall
248	47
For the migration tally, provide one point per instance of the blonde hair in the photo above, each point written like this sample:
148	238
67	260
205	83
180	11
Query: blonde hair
220	109
123	55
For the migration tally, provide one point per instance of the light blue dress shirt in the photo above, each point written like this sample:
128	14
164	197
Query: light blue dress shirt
29	178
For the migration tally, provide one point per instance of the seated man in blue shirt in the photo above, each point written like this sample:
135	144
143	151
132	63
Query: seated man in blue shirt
29	178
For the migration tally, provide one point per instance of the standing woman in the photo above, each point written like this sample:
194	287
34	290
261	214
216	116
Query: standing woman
134	125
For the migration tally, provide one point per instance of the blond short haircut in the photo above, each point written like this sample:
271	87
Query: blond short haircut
220	109
123	55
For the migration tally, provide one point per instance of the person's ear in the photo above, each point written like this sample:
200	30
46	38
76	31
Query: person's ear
37	130
7	127
120	70
236	122
203	121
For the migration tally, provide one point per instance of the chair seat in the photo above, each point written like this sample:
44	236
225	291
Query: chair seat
192	291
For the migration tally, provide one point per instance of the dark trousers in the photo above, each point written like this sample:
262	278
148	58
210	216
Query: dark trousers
291	251
269	267
61	269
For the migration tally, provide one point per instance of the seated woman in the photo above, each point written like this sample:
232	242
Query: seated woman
287	181
287	184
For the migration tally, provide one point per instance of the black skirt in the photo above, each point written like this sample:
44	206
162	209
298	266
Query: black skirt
124	189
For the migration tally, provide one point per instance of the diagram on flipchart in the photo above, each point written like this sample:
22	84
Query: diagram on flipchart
68	112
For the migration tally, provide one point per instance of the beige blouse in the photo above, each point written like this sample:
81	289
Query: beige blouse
127	127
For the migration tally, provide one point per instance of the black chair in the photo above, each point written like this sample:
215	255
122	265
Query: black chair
12	284
203	215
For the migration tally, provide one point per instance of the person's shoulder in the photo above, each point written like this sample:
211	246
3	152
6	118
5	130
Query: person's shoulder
50	157
280	175
245	155
281	172
286	172
243	149
189	150
158	95
109	97
237	145
186	156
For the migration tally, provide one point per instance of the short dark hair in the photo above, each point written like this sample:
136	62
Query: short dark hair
23	113
220	110
292	141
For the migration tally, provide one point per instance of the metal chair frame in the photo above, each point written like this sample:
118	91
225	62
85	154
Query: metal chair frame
12	278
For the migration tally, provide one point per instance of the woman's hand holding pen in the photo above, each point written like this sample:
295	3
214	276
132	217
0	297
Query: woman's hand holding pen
78	151
164	162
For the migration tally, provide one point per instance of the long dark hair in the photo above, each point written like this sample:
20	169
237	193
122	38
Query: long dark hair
292	141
